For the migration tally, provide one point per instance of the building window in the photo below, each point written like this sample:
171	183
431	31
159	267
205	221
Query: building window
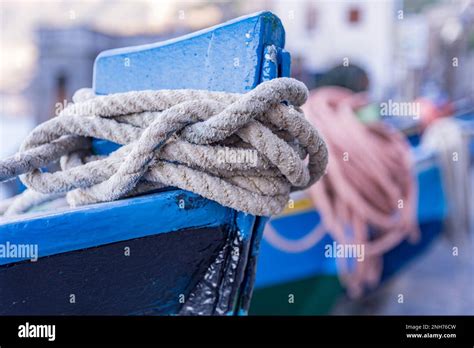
61	82
354	15
311	17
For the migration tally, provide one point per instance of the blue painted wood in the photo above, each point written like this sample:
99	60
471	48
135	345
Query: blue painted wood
285	64
107	281
250	274
276	62
227	57
98	224
104	147
270	64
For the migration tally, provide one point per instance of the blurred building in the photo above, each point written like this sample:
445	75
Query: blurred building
404	50
65	63
451	67
435	52
324	34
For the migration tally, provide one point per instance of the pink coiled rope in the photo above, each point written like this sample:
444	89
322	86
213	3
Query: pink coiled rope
369	183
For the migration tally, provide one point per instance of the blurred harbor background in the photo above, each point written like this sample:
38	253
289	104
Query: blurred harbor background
419	50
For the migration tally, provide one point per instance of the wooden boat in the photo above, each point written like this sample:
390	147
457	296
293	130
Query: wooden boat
169	252
311	277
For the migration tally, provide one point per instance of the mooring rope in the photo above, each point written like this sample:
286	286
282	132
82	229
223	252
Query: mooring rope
369	188
175	138
370	185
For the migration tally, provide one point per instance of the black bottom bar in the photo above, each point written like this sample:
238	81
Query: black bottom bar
413	330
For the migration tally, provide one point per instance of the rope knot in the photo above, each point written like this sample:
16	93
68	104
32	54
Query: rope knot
177	138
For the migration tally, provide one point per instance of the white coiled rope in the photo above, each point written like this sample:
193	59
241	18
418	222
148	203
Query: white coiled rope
174	138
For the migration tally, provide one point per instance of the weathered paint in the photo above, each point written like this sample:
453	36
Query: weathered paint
227	57
270	64
250	272
285	63
276	62
150	275
92	225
